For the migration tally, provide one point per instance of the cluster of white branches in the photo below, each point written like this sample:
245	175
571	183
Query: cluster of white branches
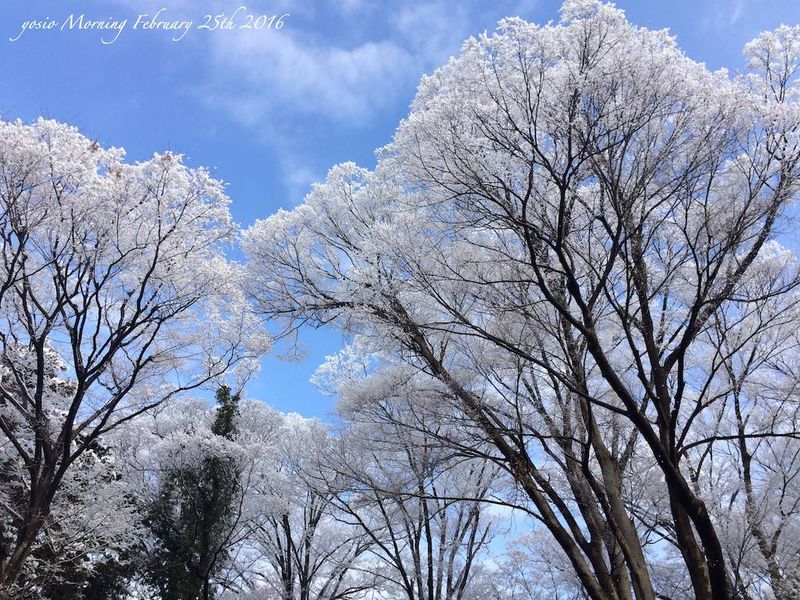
570	290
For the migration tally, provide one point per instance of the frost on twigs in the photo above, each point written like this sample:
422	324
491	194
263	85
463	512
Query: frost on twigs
115	294
579	235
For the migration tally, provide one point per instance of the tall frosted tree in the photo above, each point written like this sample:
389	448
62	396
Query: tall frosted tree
194	516
302	546
576	233
106	267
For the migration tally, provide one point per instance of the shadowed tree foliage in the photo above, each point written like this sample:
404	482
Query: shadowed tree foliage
193	516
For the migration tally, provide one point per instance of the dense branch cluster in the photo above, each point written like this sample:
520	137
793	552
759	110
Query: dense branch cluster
570	293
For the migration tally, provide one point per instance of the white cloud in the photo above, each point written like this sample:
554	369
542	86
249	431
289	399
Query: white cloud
334	62
345	60
270	74
302	72
434	29
298	177
369	59
723	14
736	13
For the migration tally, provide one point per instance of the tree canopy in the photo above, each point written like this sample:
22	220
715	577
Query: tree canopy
569	290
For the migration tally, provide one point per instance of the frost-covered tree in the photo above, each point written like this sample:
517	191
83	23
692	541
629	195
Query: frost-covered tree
300	547
424	515
106	269
412	477
750	451
92	524
193	467
238	502
567	234
194	516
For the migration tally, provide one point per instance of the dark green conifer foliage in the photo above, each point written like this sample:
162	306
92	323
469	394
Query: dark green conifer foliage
193	517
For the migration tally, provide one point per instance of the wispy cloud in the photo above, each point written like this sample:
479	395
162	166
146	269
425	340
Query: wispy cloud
736	13
434	30
722	14
340	63
275	82
379	52
277	74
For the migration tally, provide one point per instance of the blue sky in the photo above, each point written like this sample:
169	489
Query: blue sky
270	111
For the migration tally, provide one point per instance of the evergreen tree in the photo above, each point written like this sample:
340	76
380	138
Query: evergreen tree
193	517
